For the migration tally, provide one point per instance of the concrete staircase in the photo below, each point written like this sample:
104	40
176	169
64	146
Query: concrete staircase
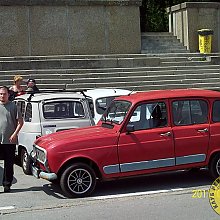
139	72
161	42
163	64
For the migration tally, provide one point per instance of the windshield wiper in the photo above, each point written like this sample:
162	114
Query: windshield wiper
107	125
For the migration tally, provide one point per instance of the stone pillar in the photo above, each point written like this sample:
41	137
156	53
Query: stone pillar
189	17
48	27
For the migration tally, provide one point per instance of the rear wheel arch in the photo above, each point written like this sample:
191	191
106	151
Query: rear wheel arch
83	160
214	160
213	155
26	165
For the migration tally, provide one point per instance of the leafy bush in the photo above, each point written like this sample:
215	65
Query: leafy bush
154	16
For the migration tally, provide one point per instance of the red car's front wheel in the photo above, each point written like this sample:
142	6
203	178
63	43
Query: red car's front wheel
78	180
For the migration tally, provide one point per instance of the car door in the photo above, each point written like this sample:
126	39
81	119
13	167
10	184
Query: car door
190	131
150	146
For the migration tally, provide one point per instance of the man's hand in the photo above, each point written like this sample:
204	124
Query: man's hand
13	138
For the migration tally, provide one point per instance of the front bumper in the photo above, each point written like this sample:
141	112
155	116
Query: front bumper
43	175
38	173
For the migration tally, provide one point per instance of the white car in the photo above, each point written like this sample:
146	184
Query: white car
99	99
45	113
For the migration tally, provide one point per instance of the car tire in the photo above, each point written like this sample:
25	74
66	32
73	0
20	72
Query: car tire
214	166
25	162
78	180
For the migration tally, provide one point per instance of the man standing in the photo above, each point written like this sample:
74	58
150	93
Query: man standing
10	124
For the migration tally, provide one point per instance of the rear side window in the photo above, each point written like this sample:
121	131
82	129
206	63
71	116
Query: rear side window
65	109
91	106
188	112
28	113
21	107
216	111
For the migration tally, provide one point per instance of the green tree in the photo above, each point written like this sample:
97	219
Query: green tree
154	16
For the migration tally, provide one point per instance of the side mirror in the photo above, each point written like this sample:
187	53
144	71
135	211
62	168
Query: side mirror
130	128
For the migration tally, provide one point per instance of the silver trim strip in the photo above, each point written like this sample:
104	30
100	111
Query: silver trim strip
151	164
190	159
111	169
126	167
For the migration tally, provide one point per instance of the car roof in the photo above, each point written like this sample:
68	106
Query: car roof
47	96
98	93
174	93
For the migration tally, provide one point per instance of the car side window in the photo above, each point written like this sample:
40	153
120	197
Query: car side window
64	109
188	112
28	113
21	107
91	106
150	115
216	112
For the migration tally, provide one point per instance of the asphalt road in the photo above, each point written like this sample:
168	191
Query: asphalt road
164	196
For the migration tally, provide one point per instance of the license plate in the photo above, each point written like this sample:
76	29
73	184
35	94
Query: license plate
35	172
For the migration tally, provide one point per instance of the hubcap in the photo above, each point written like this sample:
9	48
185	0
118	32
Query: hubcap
79	181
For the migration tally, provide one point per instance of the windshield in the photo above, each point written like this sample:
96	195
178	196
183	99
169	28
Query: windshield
116	112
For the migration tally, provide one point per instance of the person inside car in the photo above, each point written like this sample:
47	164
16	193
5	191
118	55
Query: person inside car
156	118
31	86
17	89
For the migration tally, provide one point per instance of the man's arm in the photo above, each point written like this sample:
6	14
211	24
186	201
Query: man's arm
13	137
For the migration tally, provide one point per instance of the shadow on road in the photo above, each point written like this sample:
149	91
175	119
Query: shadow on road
153	182
163	181
50	189
54	191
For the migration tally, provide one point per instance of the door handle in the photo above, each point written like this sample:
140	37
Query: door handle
167	134
203	130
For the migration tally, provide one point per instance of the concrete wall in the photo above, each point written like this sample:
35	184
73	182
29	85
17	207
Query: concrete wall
47	27
187	18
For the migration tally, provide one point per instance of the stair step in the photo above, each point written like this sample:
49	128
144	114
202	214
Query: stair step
98	84
166	68
185	63
158	52
150	79
161	42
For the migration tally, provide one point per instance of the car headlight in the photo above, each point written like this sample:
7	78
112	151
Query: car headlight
40	154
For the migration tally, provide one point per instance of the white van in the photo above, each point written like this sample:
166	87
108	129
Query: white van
99	99
45	113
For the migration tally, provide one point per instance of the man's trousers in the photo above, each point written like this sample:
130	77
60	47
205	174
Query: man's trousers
8	151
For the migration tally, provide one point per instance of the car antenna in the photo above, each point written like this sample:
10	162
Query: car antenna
135	88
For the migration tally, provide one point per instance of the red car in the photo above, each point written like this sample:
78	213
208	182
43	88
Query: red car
141	133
